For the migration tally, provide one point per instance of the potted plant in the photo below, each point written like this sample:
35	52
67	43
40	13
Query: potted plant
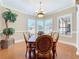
8	17
8	32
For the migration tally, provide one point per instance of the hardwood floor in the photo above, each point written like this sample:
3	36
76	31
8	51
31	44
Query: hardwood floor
17	51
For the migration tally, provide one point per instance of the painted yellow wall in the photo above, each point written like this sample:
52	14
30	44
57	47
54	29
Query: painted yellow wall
20	24
72	38
1	20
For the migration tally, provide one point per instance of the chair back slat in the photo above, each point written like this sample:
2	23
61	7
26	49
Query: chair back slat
44	44
55	36
25	38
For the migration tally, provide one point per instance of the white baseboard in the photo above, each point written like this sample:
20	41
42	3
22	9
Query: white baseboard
72	44
68	43
77	53
18	41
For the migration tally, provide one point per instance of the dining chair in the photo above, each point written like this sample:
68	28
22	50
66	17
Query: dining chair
26	41
55	41
40	33
30	46
44	46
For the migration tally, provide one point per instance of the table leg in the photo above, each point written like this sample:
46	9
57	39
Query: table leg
30	51
53	54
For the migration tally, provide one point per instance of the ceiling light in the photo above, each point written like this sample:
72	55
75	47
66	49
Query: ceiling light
40	12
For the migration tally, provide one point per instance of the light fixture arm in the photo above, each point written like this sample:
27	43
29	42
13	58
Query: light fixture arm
40	5
40	13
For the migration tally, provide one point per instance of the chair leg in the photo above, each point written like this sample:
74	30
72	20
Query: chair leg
50	55
34	52
36	55
26	52
30	53
53	54
56	53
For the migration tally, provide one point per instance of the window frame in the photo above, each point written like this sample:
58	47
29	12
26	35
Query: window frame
58	18
36	28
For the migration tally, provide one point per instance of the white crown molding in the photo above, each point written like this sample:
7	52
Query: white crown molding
60	9
3	5
57	10
0	2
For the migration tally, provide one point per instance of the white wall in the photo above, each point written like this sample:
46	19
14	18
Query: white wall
77	29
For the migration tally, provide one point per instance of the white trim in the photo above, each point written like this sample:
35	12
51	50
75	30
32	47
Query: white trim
77	38
20	31
64	42
5	6
57	10
68	43
18	41
77	53
0	1
16	31
71	44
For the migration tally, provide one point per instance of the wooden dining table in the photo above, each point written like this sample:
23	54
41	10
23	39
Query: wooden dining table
31	42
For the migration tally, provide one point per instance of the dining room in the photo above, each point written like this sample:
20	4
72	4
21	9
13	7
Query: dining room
39	29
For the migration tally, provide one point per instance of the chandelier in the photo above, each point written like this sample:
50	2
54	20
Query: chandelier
40	12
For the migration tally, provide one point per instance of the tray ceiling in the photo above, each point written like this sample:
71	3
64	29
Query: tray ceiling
30	6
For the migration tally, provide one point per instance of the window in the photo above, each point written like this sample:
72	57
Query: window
40	25
34	26
31	26
64	24
48	26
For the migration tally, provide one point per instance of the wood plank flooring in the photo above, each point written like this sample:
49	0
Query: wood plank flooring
17	51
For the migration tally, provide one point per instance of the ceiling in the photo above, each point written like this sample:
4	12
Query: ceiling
30	6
